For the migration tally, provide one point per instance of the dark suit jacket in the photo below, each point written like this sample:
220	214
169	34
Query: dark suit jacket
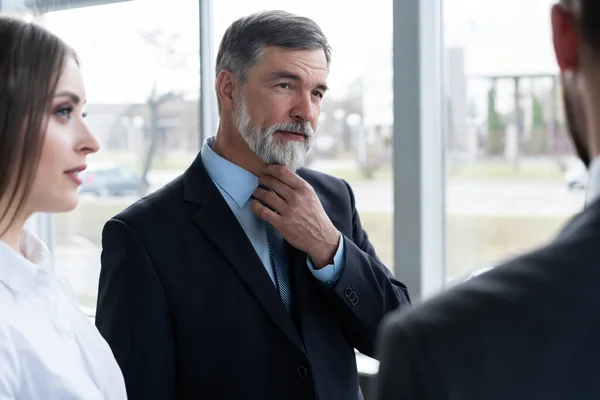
529	329
190	311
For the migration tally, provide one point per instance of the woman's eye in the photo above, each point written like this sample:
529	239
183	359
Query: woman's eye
64	112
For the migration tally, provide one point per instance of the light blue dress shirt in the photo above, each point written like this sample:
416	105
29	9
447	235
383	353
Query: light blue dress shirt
236	186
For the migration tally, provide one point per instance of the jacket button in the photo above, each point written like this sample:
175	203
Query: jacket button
302	372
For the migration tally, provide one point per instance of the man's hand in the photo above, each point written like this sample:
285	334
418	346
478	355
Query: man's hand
298	215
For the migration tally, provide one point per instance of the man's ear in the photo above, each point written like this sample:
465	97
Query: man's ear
565	37
226	85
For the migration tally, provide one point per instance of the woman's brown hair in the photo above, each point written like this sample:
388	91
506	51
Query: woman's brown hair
31	63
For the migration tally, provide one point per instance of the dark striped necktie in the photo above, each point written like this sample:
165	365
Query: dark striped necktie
280	264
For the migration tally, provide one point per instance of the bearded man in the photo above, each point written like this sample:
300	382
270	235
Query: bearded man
248	277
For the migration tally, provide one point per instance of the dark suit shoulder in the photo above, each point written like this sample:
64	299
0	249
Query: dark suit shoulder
530	318
543	290
154	204
550	276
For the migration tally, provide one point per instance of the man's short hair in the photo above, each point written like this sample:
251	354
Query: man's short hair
244	41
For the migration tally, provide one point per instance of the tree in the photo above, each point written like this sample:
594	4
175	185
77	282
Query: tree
537	142
168	61
538	120
496	126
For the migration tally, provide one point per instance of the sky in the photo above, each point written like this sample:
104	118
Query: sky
500	36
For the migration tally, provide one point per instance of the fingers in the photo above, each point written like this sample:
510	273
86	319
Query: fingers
271	200
284	191
285	183
285	175
266	214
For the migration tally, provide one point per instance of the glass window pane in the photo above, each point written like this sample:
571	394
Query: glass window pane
512	177
140	65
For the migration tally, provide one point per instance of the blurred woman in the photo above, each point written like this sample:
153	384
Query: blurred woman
48	347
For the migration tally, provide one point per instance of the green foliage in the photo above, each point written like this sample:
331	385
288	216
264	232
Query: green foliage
496	127
538	120
537	142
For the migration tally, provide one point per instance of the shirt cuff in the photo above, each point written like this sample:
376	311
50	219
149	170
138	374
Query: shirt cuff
330	274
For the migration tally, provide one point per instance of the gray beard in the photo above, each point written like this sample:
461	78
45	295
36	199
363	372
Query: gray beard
267	147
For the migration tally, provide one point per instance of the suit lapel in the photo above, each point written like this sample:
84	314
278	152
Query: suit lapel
220	226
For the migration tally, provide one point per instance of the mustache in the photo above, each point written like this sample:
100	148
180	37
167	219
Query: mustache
303	129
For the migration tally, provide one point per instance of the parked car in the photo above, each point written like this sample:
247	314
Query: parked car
106	180
576	176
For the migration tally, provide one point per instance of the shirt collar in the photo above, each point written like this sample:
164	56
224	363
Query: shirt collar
19	271
237	182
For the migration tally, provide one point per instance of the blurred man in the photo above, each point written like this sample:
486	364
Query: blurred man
248	277
529	329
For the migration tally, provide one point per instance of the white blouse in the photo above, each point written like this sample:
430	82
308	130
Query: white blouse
49	349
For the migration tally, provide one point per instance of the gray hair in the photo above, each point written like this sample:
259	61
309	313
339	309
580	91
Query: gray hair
244	41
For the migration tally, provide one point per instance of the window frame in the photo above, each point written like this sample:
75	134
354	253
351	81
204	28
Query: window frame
418	145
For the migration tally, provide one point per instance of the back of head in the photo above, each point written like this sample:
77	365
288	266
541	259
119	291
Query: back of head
244	41
31	61
588	15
